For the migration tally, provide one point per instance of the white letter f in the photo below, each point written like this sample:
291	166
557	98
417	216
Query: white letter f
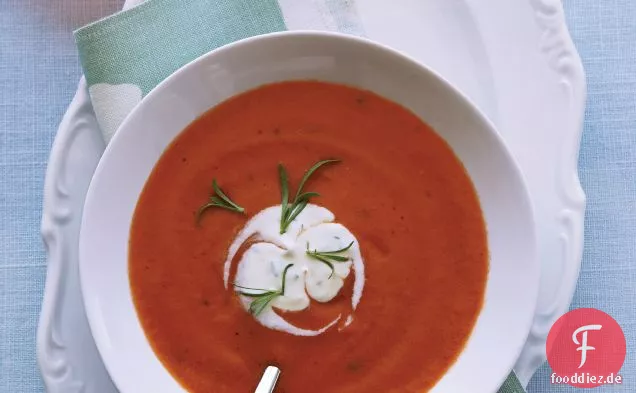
584	347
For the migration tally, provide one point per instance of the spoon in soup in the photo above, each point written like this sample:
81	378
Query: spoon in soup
268	380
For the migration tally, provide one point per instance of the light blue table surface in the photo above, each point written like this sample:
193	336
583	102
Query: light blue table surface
39	71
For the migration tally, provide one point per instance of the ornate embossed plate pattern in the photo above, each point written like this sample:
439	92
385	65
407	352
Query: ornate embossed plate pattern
66	353
513	58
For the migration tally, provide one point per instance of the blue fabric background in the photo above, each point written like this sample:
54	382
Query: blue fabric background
39	70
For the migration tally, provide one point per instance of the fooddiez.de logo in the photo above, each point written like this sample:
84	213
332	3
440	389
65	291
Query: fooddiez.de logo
586	348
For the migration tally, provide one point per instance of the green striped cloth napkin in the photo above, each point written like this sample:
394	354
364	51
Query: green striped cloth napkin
127	54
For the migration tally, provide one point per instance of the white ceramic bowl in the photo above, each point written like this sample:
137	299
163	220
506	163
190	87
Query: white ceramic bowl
512	285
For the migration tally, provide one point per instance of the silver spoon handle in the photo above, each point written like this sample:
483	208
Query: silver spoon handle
268	381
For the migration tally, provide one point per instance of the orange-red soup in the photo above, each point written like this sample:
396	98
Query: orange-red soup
399	189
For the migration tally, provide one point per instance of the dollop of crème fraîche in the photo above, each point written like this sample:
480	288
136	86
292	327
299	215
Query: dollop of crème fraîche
306	277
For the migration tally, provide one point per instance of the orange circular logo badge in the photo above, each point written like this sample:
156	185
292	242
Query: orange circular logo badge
586	348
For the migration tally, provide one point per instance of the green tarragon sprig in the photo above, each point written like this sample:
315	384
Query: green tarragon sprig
219	199
328	257
290	211
264	297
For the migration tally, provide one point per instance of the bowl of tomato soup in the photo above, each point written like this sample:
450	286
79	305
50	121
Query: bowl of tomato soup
312	201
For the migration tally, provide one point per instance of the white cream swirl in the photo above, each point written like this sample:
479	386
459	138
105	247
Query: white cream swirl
262	264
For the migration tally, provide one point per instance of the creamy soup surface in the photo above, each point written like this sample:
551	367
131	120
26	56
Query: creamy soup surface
390	313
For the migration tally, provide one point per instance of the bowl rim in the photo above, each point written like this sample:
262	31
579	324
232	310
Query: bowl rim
355	40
